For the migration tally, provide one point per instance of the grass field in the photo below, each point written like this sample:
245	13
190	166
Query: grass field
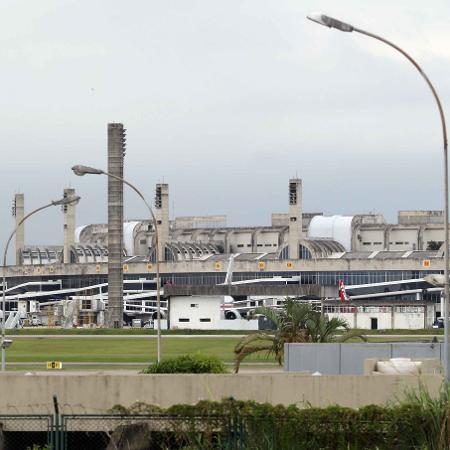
137	350
117	350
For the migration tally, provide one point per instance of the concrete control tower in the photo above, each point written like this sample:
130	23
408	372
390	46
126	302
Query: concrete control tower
116	153
295	217
18	212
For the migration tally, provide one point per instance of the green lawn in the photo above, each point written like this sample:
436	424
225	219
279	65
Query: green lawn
114	331
137	350
117	350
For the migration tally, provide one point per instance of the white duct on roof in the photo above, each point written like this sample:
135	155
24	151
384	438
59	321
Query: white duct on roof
78	231
337	228
128	237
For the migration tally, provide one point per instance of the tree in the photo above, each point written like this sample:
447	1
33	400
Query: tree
433	245
294	322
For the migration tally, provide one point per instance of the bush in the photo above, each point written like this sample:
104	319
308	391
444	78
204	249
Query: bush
262	426
188	364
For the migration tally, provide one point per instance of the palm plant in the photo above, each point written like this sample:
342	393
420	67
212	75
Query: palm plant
294	322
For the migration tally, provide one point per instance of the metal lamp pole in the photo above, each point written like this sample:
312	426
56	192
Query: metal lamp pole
342	26
64	201
83	170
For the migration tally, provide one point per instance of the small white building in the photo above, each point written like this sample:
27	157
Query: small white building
204	312
382	317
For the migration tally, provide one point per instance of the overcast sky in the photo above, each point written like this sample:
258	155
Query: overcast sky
224	100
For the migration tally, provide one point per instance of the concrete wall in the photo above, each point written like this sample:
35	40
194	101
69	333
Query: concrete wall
195	312
371	239
97	393
411	321
195	308
348	359
345	265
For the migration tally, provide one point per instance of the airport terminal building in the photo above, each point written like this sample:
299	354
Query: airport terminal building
309	250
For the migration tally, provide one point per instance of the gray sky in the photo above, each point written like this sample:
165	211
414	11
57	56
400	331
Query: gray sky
224	100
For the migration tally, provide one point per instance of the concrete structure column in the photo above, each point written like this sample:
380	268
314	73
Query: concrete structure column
429	314
162	217
116	153
18	213
69	225
295	217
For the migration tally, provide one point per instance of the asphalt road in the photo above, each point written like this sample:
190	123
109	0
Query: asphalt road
121	336
189	336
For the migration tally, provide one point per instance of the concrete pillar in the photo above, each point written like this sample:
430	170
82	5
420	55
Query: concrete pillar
295	217
18	213
69	225
162	217
429	314
116	153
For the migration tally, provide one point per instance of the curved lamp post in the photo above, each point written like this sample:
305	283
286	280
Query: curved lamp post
85	170
5	343
330	22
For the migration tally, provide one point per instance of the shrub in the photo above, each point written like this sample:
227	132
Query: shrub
262	426
188	364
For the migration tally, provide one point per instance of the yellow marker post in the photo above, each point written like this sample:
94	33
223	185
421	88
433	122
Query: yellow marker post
54	365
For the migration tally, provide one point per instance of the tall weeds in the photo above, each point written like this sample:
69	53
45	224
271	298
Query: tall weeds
434	426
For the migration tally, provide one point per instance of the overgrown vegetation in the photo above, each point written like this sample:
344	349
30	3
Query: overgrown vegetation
196	363
294	322
256	426
434	428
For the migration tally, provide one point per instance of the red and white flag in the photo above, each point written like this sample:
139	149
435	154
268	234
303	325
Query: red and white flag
342	293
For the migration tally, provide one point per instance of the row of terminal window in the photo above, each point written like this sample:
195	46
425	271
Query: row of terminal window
372	309
390	243
258	245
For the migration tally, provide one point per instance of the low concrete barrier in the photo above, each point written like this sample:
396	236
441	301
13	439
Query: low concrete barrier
94	393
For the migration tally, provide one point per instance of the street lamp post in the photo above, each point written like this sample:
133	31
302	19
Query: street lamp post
330	22
6	342
84	170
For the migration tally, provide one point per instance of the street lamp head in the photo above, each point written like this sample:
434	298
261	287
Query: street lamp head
83	170
329	22
72	200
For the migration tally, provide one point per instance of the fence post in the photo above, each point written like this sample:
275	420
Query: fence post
56	436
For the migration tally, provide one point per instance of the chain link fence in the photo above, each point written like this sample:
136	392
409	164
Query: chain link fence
159	431
23	432
181	432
